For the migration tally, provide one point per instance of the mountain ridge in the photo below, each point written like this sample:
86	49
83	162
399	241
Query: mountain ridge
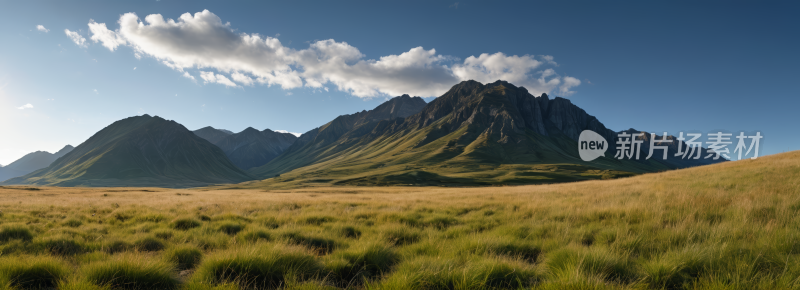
31	162
139	151
474	134
252	148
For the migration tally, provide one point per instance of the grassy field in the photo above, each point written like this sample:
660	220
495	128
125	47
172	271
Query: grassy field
727	226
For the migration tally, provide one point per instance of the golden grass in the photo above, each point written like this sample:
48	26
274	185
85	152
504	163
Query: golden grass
731	225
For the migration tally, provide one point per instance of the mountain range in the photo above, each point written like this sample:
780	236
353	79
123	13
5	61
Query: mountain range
249	148
31	162
140	151
474	134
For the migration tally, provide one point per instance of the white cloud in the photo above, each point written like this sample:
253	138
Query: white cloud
211	77
188	76
203	41
293	133
549	59
95	91
242	78
42	29
100	33
25	106
76	38
416	72
569	82
518	70
134	68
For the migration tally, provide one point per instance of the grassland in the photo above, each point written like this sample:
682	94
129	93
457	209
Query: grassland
726	226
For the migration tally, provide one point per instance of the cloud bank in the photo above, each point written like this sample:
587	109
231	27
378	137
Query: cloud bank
203	42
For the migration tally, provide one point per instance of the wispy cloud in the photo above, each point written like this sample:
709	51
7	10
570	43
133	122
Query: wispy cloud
454	5
42	29
188	76
25	106
211	77
76	37
203	40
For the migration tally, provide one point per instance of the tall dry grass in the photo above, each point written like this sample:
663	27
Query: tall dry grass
726	226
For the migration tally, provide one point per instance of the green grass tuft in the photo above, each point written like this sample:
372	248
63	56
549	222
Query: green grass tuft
15	232
73	223
149	244
117	246
367	261
593	262
230	227
185	223
400	235
348	232
134	272
185	257
258	267
62	246
255	235
317	220
37	272
318	244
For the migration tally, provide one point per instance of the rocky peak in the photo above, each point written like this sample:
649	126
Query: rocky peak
510	110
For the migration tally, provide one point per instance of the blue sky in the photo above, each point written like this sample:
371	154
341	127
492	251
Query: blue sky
699	66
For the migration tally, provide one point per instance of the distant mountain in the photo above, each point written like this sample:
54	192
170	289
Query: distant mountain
317	138
211	134
31	162
252	148
139	151
474	134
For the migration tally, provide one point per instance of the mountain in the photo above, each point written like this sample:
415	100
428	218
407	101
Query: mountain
474	134
139	151
314	140
211	134
252	148
31	162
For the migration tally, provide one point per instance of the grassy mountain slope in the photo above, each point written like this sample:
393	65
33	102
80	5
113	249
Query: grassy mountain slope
473	135
311	146
140	151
